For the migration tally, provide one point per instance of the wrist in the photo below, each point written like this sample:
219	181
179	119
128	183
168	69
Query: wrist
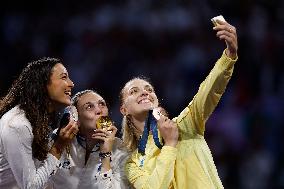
106	163
104	155
230	54
105	158
171	143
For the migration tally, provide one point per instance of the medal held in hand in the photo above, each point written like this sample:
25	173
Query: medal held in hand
70	112
104	122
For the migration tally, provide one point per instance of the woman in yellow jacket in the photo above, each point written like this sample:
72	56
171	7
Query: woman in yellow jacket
184	161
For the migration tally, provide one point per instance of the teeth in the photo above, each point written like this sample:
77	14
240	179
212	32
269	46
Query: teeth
145	101
68	93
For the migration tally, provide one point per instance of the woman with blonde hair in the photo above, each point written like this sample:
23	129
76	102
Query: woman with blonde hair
175	153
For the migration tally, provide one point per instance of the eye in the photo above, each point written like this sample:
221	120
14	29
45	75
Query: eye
150	90
133	91
90	107
64	77
101	103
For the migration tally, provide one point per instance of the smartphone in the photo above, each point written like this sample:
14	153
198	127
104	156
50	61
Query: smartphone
214	19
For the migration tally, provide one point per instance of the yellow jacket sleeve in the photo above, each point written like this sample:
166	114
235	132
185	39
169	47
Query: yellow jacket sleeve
192	119
157	172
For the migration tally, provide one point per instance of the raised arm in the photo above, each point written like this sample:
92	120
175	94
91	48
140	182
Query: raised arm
211	89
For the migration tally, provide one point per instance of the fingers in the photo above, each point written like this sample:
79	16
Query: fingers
102	134
169	131
230	38
67	134
110	130
70	131
164	120
225	29
106	139
227	32
166	125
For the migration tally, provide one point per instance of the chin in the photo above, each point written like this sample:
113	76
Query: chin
146	108
149	107
64	104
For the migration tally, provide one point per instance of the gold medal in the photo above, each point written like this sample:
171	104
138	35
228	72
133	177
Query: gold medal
104	122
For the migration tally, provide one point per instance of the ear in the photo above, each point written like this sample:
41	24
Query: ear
123	110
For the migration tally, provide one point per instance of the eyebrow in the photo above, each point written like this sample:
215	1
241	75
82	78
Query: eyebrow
146	86
87	103
63	74
133	88
93	102
84	105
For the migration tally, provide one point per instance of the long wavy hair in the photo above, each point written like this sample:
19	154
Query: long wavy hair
29	91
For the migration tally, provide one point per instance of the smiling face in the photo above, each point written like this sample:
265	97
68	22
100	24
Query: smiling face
138	97
90	107
59	88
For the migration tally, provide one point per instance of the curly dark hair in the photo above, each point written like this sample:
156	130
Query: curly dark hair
29	91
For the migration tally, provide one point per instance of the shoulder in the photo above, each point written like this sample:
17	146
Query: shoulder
15	119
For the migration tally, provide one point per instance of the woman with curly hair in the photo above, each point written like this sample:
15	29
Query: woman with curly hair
27	113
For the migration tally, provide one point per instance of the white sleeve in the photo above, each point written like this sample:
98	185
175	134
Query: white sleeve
114	178
17	142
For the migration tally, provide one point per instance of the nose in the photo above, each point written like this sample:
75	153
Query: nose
144	92
70	83
98	110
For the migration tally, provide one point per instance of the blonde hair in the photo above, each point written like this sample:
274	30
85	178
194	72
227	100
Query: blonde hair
129	139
